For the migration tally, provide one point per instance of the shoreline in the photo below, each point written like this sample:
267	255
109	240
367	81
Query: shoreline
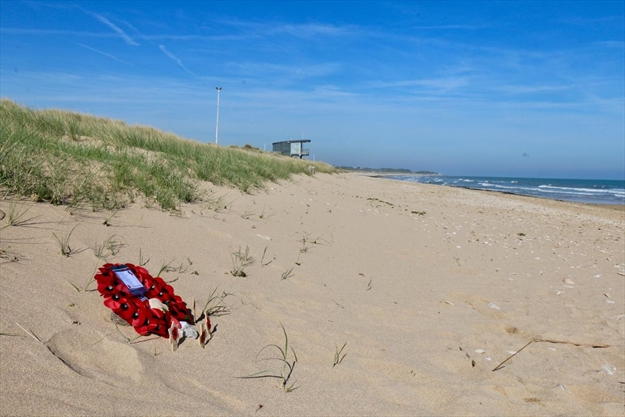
620	207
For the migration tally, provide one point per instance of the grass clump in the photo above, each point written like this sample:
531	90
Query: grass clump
110	247
75	159
66	249
215	306
15	216
338	354
240	261
281	356
288	273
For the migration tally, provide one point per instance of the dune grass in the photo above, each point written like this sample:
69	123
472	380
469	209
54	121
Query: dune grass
75	159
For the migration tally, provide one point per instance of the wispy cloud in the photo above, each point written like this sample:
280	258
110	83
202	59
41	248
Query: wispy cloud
179	37
453	27
441	83
611	44
113	26
53	32
266	69
172	56
531	89
585	21
311	29
103	53
306	30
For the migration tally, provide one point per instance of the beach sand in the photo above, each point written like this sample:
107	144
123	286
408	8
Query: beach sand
430	287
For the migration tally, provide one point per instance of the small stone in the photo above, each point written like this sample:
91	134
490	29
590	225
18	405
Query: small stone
609	369
118	320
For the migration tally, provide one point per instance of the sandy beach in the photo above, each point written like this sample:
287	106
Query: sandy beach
430	288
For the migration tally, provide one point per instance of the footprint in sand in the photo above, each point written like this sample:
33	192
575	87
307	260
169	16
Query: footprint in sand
95	355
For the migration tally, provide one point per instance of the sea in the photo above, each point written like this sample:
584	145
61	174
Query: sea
583	191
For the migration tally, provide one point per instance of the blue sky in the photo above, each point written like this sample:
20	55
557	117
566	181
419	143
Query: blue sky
532	89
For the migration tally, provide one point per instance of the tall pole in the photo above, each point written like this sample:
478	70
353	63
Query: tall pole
217	124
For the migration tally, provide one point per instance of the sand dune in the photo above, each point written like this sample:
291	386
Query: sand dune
430	287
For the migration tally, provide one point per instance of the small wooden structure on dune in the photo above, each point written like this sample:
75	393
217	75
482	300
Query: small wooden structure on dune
292	148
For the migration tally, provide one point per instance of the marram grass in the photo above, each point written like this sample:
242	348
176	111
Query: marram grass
76	159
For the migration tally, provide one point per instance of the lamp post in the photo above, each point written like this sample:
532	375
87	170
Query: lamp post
217	124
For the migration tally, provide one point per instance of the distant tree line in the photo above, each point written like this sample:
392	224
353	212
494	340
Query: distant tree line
387	170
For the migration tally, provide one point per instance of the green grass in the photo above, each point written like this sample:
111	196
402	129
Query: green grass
110	247
15	216
338	354
240	261
75	159
282	356
66	250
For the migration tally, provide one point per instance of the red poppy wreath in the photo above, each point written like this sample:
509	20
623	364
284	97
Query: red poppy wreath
148	304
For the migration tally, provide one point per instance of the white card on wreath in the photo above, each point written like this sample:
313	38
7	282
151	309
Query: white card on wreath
130	280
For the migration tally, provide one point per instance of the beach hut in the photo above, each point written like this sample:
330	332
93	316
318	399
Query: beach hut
292	148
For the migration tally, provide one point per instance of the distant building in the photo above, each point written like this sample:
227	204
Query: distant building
292	148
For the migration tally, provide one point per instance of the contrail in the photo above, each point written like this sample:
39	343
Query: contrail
172	56
116	28
103	53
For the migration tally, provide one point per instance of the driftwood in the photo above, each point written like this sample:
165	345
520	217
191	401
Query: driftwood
594	346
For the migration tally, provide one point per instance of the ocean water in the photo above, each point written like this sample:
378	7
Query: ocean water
584	191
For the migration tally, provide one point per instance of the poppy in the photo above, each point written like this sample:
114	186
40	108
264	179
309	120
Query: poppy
157	322
173	311
174	335
106	290
104	275
203	337
143	329
122	290
122	307
138	317
207	323
152	287
205	332
140	271
105	279
165	293
162	318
